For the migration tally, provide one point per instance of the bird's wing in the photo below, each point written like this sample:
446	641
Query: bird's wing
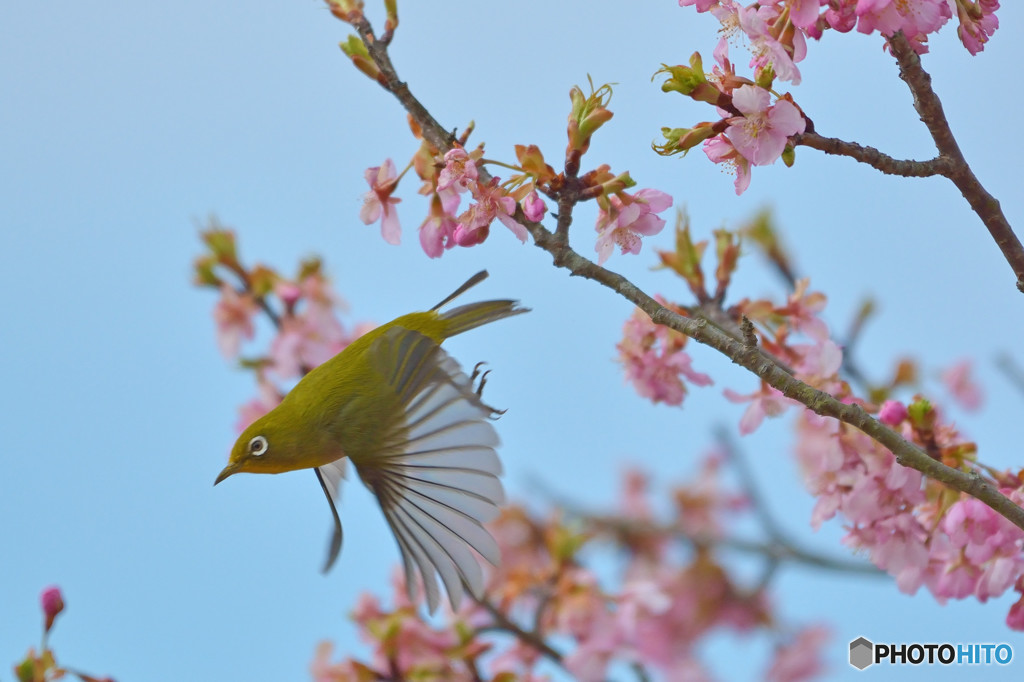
436	474
330	476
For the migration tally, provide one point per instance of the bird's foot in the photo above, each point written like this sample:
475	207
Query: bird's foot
480	374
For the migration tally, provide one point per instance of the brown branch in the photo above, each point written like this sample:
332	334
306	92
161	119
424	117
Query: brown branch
506	624
872	157
928	106
906	453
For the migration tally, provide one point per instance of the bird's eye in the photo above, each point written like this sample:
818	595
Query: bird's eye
258	446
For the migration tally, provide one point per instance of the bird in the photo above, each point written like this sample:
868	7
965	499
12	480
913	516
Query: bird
416	430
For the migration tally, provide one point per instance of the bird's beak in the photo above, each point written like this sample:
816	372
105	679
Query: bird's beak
228	470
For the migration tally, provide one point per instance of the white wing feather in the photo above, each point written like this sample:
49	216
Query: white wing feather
438	481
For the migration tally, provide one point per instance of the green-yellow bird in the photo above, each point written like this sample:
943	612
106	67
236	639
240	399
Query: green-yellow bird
407	416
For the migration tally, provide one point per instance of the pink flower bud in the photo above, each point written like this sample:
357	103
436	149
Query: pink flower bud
52	603
533	207
892	413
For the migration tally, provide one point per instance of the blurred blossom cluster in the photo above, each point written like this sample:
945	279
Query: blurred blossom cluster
303	311
545	609
916	529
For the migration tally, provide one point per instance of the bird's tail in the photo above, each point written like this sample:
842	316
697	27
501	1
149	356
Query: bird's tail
472	315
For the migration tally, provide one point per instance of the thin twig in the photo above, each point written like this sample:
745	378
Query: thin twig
506	624
872	157
775	550
749	484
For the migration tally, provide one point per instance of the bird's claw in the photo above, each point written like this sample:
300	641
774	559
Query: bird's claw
482	374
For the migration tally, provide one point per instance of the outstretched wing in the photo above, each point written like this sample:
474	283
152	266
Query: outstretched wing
436	474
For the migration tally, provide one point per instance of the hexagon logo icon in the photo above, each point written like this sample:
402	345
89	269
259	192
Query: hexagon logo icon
862	653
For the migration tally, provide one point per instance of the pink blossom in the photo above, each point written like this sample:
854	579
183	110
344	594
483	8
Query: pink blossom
52	602
655	362
702	503
961	385
721	150
997	576
491	202
437	233
767	402
579	608
892	413
459	172
979	532
628	217
763	131
459	175
589	661
842	18
800	658
634	503
916	18
233	315
768	52
818	363
306	340
804	13
702	5
517	659
657	376
534	207
896	545
802	311
378	204
1015	618
289	292
267	399
322	670
977	23
641	599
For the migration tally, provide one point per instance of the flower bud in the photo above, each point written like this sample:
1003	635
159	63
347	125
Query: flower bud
52	603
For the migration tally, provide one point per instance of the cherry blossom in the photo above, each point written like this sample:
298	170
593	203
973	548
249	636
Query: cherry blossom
655	362
962	386
721	150
378	204
763	131
233	315
625	218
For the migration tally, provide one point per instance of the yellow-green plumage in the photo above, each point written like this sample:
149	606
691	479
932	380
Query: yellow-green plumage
396	405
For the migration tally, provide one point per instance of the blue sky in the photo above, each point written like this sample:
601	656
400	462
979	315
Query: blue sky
124	125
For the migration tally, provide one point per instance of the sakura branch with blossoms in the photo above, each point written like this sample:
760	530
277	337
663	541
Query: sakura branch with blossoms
866	468
755	132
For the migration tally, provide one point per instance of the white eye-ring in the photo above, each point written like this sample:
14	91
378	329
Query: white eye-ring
258	446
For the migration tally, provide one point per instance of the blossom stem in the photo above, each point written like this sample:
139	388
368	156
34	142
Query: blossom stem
493	162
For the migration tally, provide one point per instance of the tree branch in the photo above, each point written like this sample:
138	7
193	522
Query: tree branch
874	158
906	453
928	106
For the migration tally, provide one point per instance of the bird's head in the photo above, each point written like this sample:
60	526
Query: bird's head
262	448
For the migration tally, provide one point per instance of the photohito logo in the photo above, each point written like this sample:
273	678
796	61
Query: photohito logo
863	652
